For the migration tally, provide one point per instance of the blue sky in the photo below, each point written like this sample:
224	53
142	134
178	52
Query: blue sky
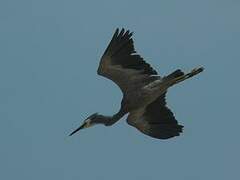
49	54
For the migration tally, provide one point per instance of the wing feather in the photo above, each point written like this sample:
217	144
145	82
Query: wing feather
120	63
156	120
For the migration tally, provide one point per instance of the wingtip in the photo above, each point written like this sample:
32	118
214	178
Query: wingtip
124	31
116	31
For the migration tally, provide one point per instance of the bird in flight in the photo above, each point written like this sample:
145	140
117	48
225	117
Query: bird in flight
144	91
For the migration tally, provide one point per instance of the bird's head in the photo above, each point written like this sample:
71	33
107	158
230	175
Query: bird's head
91	121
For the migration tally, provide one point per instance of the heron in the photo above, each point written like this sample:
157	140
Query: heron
144	90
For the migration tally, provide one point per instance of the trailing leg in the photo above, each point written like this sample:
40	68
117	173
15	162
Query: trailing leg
183	77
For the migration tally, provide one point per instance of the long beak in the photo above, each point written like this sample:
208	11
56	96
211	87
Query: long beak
81	127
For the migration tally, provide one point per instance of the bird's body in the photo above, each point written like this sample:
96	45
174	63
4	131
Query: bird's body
143	90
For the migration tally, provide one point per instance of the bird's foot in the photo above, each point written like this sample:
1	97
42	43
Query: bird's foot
195	71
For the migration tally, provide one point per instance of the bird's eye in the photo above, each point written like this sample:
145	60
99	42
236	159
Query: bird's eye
87	120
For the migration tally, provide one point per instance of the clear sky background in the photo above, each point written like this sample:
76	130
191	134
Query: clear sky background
49	54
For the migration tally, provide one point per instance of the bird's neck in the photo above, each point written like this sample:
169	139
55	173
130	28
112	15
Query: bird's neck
113	119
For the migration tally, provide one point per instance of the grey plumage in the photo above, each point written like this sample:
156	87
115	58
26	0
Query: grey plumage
143	90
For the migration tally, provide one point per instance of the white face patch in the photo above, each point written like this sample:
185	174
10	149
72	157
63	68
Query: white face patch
88	123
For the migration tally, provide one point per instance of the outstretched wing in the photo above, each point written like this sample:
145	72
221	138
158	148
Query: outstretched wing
121	64
156	120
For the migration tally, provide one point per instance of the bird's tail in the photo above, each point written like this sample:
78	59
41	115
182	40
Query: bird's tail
174	75
179	76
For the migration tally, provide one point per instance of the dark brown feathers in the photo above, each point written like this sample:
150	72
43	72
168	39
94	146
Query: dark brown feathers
156	120
121	50
161	120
